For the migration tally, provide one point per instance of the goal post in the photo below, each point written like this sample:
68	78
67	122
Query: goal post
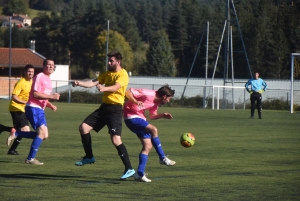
292	81
231	94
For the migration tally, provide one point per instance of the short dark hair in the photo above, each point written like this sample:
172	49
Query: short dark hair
27	67
115	54
46	61
165	90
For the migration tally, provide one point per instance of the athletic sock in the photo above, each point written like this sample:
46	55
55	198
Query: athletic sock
143	158
15	144
5	128
37	141
86	140
122	151
26	134
157	145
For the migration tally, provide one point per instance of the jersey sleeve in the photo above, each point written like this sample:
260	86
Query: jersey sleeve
137	93
18	88
37	84
153	110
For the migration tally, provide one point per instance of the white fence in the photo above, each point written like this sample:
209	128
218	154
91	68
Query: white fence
234	98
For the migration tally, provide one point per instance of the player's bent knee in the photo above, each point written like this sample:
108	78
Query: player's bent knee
84	128
153	130
148	147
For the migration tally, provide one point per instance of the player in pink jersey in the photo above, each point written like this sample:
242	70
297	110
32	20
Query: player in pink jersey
40	93
140	100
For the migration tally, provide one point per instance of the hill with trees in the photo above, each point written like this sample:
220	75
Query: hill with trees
160	37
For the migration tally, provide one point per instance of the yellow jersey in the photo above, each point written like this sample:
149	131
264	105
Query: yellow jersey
21	89
110	78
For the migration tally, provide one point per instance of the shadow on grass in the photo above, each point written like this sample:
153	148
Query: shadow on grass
79	179
36	176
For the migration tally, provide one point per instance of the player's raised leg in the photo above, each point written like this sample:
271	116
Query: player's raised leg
5	128
163	159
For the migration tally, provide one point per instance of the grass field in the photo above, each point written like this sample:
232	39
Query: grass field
234	158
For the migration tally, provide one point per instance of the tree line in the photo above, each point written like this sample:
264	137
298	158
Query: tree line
161	37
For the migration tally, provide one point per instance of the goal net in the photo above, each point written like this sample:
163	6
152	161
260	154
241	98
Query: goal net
228	97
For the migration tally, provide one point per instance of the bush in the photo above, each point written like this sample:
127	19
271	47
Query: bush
192	102
276	104
81	97
186	102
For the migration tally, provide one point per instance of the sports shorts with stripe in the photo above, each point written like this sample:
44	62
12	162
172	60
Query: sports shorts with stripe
137	126
109	115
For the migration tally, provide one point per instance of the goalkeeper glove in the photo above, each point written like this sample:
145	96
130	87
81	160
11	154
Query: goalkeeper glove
249	91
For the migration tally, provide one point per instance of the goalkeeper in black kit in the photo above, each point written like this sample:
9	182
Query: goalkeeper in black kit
258	86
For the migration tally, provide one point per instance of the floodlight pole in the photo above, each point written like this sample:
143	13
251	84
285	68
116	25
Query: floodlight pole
232	69
206	64
9	71
107	37
292	82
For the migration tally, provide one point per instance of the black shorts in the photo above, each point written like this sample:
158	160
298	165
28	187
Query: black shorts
19	120
109	115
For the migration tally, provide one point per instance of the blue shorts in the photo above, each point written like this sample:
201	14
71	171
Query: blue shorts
138	125
36	116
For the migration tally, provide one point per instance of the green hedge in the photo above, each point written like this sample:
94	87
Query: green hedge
192	102
81	97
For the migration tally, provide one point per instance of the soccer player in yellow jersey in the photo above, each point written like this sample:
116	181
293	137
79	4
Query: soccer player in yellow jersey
113	84
19	98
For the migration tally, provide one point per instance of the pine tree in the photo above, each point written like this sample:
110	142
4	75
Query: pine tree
14	6
177	31
160	57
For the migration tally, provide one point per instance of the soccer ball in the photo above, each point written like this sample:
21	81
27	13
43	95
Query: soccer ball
187	140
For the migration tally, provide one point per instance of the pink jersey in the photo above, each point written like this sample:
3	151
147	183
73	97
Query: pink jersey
40	83
147	96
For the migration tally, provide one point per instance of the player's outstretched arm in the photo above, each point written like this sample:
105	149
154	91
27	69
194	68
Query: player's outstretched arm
85	84
112	88
162	115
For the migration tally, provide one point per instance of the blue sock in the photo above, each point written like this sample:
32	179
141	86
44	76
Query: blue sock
34	147
25	134
157	145
142	164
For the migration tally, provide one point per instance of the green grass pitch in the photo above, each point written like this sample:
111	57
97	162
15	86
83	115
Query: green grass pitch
234	158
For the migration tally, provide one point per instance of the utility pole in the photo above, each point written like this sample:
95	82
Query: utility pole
107	37
9	71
